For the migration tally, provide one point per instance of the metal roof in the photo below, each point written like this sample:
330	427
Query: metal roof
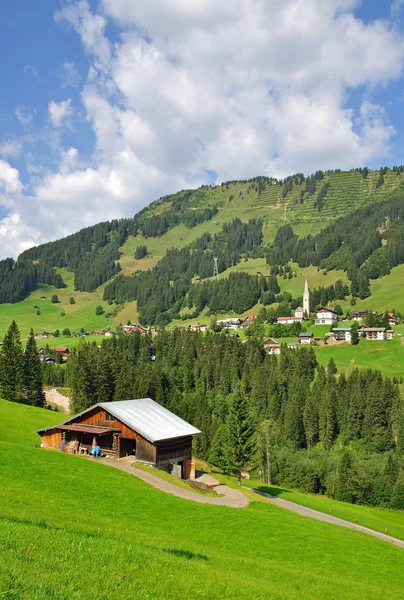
150	419
145	416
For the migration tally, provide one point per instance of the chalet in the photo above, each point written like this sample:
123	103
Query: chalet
326	316
272	346
133	329
42	335
62	350
232	323
140	428
289	320
248	321
292	345
42	298
98	332
109	333
306	338
358	315
376	333
198	328
341	334
36	307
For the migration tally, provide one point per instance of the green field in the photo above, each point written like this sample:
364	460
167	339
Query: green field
76	529
383	520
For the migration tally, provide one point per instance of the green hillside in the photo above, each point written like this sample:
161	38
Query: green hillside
83	260
73	528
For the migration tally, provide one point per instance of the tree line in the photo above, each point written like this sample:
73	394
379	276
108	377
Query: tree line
309	427
20	369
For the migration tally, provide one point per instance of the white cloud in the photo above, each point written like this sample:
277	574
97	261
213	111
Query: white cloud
10	148
68	75
24	117
396	8
60	112
240	88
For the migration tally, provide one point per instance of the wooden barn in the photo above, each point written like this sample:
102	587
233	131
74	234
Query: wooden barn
140	428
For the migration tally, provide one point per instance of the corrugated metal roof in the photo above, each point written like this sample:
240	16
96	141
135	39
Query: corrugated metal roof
150	419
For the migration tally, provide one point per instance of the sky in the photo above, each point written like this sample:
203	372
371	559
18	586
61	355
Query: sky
107	105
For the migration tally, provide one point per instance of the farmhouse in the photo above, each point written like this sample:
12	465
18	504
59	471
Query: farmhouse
341	334
306	338
376	333
272	346
133	328
42	335
140	428
326	316
248	321
358	315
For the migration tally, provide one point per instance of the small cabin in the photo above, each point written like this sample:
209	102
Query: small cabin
140	428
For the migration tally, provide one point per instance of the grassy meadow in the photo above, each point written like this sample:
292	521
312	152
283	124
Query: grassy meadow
73	528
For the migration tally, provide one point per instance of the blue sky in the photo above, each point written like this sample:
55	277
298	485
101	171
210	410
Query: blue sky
108	104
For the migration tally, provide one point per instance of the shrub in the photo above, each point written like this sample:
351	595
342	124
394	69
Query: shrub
54	299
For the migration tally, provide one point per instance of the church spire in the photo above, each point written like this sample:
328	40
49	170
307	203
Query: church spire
306	301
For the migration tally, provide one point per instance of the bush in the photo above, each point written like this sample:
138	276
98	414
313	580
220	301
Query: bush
72	300
54	299
66	332
56	333
99	310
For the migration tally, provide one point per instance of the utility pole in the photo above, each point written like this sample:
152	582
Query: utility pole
215	267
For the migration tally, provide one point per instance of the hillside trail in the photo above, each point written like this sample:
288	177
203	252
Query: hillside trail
54	397
229	497
235	499
319	516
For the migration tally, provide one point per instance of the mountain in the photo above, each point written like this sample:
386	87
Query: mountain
347	224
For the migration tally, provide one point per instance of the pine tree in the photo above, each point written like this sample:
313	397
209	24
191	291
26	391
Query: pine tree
242	444
33	391
11	366
354	335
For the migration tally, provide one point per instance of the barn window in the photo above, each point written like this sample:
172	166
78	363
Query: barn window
109	417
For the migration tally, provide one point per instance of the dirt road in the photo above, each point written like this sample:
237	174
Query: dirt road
230	497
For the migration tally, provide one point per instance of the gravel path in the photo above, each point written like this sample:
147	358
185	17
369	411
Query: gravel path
53	397
230	497
319	516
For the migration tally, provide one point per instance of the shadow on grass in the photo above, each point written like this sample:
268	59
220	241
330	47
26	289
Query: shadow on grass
185	554
270	489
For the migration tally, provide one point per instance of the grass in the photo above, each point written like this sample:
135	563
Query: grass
387	356
383	520
79	529
181	483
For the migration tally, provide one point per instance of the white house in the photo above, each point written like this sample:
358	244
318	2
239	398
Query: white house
358	315
306	338
326	316
376	333
292	346
231	323
341	334
198	327
289	320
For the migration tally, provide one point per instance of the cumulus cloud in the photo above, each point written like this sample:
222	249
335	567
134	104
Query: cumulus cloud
190	87
60	113
24	116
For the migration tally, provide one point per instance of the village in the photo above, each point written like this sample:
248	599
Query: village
302	320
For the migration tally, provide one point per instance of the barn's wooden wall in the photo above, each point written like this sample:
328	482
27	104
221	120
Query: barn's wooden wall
97	417
52	439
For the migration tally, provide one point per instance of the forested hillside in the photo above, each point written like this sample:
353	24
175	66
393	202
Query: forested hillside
162	258
311	429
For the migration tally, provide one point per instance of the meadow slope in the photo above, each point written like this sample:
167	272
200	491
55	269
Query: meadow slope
73	528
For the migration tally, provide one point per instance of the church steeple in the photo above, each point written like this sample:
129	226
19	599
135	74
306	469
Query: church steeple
306	300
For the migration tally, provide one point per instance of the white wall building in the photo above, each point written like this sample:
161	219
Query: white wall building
326	316
376	333
342	334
